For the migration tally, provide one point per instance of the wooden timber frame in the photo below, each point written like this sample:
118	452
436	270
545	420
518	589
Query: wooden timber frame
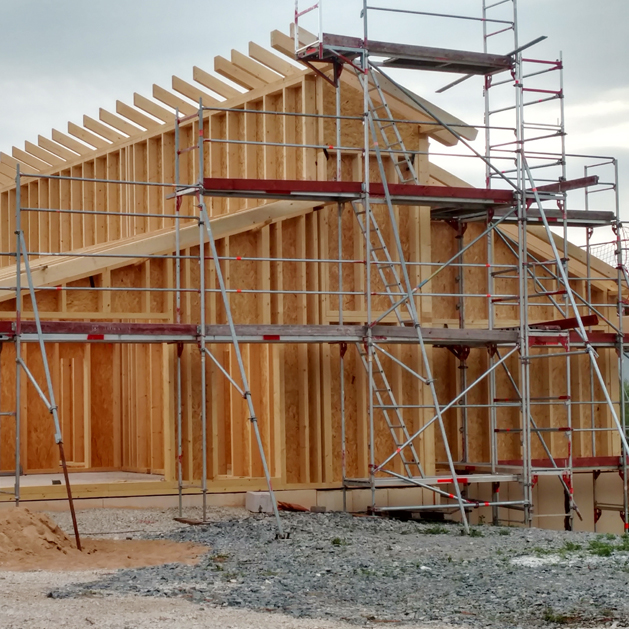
131	306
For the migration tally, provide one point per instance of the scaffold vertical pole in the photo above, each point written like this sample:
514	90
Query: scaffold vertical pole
179	351
202	316
50	399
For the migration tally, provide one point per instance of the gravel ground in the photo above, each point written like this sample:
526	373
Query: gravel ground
25	605
366	571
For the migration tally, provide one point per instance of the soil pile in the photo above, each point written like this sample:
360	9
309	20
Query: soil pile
32	541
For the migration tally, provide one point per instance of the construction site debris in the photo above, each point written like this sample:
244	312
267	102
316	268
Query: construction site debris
33	541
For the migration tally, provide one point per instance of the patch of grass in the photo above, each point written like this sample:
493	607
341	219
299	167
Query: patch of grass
551	616
435	530
600	548
571	547
504	531
538	550
337	541
476	533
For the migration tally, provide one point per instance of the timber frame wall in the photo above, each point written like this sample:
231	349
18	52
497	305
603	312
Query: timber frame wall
105	253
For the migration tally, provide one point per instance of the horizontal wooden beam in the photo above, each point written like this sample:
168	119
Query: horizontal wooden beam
63	269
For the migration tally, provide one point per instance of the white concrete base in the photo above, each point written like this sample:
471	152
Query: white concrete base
259	502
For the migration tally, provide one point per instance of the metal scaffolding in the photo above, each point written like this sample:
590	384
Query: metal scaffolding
513	133
524	187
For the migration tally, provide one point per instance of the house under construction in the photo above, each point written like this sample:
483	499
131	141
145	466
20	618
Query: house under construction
267	283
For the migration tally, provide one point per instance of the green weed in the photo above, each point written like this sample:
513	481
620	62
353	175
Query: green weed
435	530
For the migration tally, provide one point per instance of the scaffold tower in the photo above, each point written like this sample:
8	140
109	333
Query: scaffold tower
457	442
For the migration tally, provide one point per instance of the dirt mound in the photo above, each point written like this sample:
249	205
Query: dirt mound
30	534
32	541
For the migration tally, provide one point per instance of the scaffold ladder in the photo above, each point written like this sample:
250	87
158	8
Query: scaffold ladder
379	256
386	126
387	404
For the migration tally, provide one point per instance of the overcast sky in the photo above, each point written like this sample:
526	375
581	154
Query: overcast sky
65	58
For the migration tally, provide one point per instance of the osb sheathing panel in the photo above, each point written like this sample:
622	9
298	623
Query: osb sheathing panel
117	402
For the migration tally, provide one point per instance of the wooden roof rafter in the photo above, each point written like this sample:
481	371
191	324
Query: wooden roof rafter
243	78
44	155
